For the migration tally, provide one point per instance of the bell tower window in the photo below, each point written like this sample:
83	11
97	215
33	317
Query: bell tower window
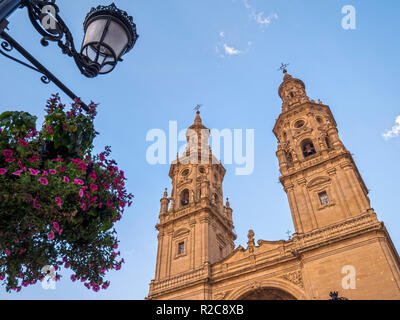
323	197
308	148
181	248
185	197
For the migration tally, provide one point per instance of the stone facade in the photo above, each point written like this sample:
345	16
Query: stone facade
338	244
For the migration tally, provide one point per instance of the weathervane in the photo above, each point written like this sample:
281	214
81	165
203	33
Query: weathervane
289	234
283	67
197	108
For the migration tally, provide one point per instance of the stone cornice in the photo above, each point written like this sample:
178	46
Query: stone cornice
192	211
314	162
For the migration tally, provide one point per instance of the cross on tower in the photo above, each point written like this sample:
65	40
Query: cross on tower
197	108
283	67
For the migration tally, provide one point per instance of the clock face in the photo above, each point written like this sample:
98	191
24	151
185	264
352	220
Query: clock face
185	173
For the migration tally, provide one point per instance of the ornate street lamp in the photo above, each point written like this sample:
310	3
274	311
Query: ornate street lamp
109	34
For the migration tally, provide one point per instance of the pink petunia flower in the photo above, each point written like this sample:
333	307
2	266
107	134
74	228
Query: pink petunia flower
93	187
17	173
92	201
79	181
60	231
45	173
34	172
49	130
34	159
66	179
10	160
56	225
83	206
23	143
44	181
92	176
36	204
58	160
8	153
81	193
3	171
7	252
59	203
106	186
50	236
53	171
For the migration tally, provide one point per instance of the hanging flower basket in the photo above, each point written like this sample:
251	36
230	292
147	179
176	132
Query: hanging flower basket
58	201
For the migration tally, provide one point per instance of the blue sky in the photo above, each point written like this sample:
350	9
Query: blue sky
224	54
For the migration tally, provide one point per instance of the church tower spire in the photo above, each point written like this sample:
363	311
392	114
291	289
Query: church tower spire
319	174
195	227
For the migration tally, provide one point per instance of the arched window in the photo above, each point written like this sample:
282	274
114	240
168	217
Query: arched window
185	197
308	148
328	143
215	198
289	158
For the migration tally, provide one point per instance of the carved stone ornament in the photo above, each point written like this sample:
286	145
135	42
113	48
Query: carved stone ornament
295	278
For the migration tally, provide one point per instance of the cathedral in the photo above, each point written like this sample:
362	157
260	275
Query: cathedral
339	245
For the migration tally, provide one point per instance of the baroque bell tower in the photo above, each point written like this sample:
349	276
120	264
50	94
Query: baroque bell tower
195	227
319	175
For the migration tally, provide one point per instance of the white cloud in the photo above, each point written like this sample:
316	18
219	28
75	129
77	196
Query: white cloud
246	4
258	16
231	51
222	34
395	131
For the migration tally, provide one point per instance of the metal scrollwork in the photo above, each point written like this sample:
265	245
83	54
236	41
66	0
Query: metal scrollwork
45	19
5	45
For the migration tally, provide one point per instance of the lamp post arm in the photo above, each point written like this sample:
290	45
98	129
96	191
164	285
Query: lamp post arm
9	44
8	6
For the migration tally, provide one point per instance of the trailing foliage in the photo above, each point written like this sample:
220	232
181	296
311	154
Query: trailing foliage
58	201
